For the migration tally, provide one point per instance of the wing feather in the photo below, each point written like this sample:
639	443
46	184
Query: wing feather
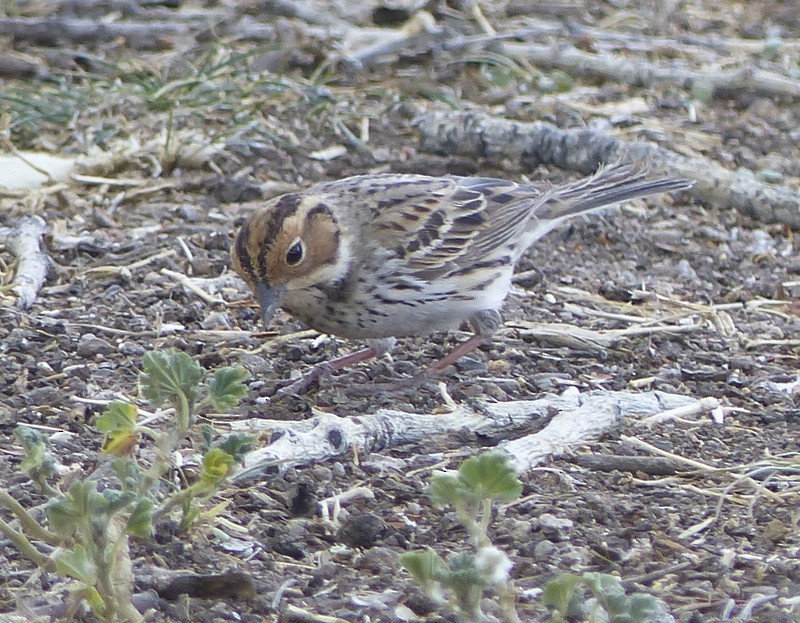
438	226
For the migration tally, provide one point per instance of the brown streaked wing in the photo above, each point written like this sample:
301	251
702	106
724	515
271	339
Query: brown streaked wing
509	207
428	222
441	225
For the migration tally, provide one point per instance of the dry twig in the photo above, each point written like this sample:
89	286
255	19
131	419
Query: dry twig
581	418
25	241
532	144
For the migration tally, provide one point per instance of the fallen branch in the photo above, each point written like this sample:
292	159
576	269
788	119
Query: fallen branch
306	12
25	241
642	73
52	31
565	335
650	465
14	66
478	135
581	418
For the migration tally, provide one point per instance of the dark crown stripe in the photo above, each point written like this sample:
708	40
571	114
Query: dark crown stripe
285	207
241	250
319	209
263	249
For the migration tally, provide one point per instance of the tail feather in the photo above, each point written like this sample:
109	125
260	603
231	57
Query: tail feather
610	185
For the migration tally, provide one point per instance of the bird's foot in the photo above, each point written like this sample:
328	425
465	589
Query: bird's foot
401	386
323	371
317	375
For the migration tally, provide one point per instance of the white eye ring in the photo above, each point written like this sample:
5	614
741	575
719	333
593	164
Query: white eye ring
296	252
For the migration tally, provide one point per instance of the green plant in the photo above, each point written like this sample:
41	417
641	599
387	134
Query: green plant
89	524
463	578
567	595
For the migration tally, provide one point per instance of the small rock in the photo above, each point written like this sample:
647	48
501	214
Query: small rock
322	473
288	542
43	396
131	349
362	530
471	364
554	528
762	243
189	212
420	604
322	574
686	271
303	499
90	346
378	560
521	530
544	550
408	367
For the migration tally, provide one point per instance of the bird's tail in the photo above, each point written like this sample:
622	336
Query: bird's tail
612	184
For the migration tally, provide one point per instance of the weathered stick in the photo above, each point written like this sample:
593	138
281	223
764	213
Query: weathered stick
531	144
643	73
25	241
581	418
51	31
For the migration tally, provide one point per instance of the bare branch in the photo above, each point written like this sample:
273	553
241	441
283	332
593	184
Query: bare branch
582	418
25	241
532	144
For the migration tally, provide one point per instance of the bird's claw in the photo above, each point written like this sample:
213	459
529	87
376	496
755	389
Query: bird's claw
316	375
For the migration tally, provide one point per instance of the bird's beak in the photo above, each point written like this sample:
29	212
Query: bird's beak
269	299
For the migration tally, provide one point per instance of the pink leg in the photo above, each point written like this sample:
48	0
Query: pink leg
466	347
428	374
304	383
484	323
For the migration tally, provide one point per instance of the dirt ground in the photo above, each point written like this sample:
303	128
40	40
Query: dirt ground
196	124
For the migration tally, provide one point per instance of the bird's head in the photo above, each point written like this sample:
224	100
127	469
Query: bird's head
293	242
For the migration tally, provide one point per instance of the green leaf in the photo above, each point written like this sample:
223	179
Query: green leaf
30	438
92	597
128	473
216	463
62	517
81	504
39	463
447	488
206	437
490	476
604	586
465	581
115	500
562	594
188	515
168	374
642	608
118	424
140	523
425	566
76	563
237	445
118	416
226	388
119	444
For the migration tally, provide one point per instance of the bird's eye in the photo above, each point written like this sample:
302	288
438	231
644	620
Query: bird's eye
296	253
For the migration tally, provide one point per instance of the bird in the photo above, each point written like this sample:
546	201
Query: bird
377	257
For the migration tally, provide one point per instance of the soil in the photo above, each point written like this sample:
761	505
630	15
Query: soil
107	302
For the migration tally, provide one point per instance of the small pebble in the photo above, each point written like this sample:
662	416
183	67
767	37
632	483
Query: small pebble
90	346
130	349
362	530
553	527
544	550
